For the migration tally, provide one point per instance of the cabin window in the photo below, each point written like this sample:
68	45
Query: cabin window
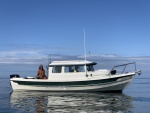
90	68
57	69
76	68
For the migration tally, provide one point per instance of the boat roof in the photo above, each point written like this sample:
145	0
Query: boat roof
72	62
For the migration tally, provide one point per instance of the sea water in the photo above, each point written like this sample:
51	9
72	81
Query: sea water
134	99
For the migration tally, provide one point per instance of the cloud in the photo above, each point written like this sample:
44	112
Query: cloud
100	56
29	53
26	62
20	56
34	54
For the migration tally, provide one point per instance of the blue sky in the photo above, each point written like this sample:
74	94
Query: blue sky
32	29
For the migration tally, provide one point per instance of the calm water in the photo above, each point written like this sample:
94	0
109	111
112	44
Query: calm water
134	99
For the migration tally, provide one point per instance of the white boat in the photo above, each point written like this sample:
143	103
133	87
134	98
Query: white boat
76	75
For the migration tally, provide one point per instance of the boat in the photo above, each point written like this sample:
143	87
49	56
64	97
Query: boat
77	75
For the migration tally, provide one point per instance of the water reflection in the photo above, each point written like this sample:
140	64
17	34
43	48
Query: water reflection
50	102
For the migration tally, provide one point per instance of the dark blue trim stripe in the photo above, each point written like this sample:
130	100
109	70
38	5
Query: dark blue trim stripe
72	83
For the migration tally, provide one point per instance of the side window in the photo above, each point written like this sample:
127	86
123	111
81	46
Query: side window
57	69
69	69
90	68
76	68
80	69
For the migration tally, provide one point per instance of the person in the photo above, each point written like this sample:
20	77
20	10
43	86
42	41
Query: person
41	73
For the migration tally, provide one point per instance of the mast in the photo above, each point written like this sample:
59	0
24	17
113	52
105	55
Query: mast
85	53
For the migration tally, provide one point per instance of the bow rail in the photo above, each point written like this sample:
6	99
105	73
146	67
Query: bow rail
113	71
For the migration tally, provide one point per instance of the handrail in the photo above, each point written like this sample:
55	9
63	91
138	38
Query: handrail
125	65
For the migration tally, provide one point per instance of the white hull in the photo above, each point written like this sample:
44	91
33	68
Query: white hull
117	85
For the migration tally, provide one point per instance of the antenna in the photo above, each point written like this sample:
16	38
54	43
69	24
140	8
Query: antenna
84	45
49	58
89	54
49	61
85	52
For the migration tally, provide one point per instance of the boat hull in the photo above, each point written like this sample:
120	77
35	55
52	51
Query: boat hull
112	84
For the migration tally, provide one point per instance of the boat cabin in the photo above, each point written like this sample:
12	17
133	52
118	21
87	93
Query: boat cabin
70	68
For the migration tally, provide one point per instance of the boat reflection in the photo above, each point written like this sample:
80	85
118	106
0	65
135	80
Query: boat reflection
42	102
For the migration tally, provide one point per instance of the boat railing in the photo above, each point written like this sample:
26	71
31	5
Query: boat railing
113	71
